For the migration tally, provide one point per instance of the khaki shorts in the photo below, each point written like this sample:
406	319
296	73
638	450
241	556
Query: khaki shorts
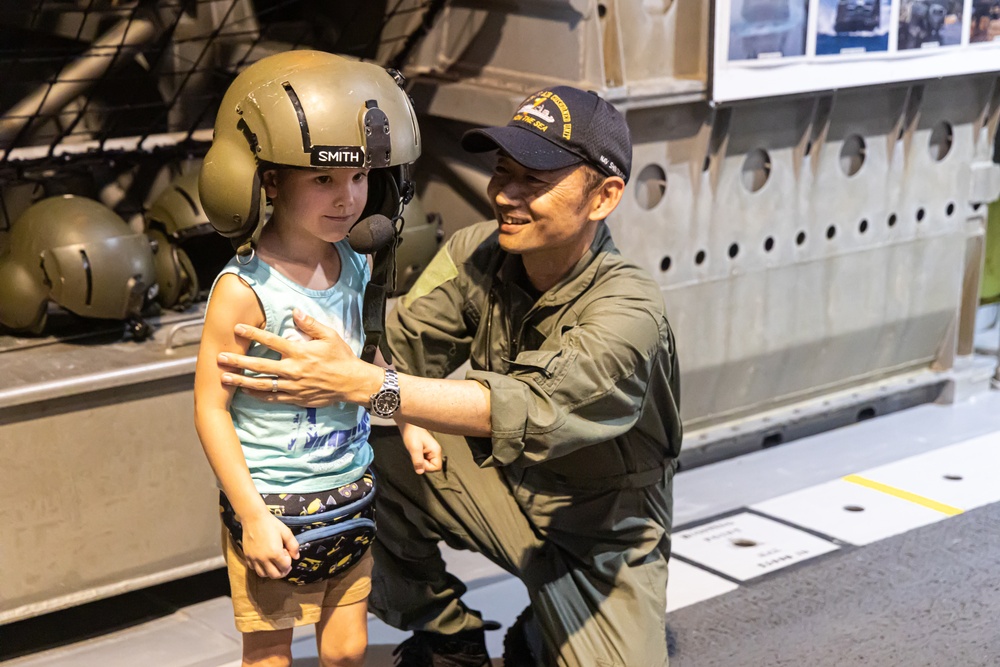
274	604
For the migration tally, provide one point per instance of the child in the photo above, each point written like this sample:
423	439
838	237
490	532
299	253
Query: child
273	459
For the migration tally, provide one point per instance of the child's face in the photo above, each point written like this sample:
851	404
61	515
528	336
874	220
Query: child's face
321	202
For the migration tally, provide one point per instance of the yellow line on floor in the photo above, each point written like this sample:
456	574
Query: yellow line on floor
905	495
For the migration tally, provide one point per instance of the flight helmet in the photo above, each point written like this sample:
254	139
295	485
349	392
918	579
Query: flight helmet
187	252
79	254
307	109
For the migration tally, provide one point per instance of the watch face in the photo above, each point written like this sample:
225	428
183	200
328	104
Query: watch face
385	403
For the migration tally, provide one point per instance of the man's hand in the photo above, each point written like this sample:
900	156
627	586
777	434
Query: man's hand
311	373
424	449
269	547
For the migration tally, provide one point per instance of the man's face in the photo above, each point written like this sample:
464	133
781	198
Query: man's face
541	211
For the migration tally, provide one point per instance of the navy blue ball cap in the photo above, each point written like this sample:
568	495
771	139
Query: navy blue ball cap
559	127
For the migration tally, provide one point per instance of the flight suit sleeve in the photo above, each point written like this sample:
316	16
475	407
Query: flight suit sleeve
427	332
584	386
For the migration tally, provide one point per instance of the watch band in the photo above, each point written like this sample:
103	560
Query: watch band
391	380
385	401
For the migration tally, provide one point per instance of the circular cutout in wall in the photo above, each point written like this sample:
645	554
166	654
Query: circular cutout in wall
651	185
942	138
852	154
756	169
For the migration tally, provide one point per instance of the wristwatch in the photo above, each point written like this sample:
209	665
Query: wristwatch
385	401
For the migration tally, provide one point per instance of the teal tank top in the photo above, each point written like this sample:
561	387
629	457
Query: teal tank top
289	448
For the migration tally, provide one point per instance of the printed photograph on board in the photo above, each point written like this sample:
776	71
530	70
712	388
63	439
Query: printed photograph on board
761	29
929	23
984	25
852	26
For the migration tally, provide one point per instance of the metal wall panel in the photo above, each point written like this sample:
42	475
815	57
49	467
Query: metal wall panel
804	245
104	492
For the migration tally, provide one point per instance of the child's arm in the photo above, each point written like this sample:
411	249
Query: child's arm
423	448
268	545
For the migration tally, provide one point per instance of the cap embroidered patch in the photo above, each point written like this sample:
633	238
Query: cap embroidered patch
557	128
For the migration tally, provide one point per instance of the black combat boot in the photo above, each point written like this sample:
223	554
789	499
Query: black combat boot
430	649
516	649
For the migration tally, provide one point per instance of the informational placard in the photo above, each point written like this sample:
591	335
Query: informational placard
745	545
768	48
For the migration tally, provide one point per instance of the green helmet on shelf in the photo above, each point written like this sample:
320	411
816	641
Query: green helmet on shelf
187	252
79	254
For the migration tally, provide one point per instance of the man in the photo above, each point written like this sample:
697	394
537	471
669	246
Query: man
560	446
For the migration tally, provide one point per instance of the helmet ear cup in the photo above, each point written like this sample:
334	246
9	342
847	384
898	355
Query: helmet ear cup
389	189
168	278
23	299
175	273
380	186
230	189
189	278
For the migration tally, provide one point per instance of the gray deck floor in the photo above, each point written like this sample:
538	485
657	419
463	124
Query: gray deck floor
856	604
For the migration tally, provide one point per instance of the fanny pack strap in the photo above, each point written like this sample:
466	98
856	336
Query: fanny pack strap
329	541
297	521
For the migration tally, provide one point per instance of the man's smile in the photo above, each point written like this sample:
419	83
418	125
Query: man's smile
511	220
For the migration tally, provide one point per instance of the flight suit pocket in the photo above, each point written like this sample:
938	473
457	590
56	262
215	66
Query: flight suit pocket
549	367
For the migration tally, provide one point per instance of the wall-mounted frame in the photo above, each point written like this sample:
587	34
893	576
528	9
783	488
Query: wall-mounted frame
768	48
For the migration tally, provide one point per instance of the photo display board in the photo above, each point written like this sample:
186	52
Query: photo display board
766	48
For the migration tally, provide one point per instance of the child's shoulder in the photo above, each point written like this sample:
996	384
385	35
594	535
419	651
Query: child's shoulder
359	263
233	284
232	298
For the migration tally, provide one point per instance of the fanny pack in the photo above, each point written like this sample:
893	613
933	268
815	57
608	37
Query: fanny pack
329	542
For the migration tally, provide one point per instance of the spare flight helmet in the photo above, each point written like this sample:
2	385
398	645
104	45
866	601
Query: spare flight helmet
418	244
80	254
307	109
187	252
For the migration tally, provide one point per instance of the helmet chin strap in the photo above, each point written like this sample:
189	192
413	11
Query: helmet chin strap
378	236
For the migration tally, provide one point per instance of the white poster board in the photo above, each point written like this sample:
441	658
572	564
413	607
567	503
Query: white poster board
767	48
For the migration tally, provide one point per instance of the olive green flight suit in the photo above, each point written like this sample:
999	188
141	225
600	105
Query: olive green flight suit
572	493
